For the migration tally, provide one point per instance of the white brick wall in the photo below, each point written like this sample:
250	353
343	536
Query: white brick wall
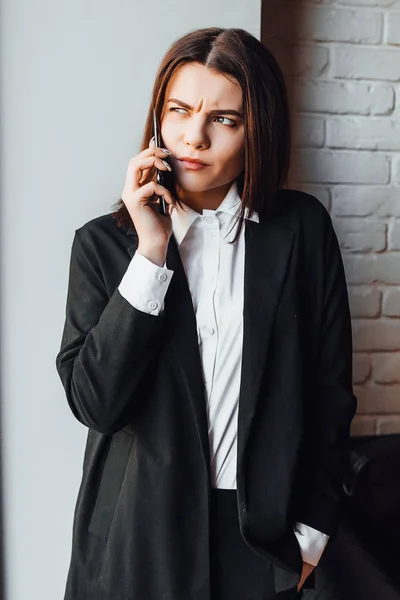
363	133
376	63
341	59
332	97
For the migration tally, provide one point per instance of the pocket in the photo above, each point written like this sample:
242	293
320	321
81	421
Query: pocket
110	485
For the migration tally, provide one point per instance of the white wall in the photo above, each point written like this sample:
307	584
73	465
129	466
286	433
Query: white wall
75	82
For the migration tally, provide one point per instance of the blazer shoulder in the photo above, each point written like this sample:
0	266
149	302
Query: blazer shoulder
304	212
103	231
308	217
105	224
302	204
103	248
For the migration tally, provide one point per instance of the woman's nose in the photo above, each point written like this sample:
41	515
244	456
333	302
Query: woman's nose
195	134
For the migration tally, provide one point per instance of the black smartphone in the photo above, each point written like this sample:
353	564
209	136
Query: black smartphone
164	178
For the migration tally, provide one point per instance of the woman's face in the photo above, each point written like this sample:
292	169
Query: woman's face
202	118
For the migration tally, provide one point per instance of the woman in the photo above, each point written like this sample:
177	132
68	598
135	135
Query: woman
208	350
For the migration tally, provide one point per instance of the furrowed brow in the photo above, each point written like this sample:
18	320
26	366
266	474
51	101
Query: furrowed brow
227	111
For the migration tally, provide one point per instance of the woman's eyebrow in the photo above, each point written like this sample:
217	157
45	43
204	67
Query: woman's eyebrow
228	111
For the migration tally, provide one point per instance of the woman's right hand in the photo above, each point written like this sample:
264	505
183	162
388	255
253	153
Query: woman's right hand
154	229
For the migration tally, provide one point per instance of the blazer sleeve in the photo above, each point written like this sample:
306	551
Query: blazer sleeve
331	405
107	345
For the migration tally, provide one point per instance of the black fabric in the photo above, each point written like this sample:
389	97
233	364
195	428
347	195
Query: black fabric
236	571
349	571
362	563
135	381
373	488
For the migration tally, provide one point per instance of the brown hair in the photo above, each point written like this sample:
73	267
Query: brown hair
236	53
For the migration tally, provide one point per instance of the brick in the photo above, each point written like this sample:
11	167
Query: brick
324	24
361	368
361	235
386	368
385	3
323	166
307	2
379	268
366	63
343	97
362	425
396	169
378	399
364	201
364	133
333	25
321	193
374	335
301	60
308	132
364	301
394	236
392	28
388	425
391	303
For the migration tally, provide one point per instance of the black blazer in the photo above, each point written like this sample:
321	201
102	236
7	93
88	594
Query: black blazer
135	380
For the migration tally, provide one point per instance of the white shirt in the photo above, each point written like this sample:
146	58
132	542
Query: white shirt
215	273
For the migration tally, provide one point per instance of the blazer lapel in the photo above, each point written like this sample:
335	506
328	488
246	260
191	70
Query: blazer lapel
183	350
182	331
267	250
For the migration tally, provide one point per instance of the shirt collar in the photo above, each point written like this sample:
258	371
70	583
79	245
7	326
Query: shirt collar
183	218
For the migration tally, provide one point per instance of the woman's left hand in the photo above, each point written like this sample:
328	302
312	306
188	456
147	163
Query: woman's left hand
307	570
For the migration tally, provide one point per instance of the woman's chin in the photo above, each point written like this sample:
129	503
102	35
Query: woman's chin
194	187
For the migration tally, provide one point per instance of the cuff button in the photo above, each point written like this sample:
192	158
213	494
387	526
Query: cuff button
152	305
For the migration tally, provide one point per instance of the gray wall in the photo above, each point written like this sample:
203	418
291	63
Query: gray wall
75	85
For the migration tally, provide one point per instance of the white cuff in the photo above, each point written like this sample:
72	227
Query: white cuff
312	543
145	284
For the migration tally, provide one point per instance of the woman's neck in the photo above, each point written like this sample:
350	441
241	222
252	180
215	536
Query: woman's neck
209	199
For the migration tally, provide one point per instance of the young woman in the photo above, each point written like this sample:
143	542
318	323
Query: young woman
208	350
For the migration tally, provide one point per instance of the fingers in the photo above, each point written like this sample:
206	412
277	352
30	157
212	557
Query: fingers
153	149
155	161
151	161
139	164
149	153
153	188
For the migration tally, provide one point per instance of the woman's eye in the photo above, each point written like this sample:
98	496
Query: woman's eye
231	122
176	109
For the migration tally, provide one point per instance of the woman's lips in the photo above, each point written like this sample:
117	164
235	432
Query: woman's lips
192	166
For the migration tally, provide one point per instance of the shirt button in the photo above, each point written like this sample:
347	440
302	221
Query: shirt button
162	277
213	234
209	220
152	305
211	331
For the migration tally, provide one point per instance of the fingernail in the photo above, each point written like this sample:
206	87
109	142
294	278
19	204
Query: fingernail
166	151
167	165
152	140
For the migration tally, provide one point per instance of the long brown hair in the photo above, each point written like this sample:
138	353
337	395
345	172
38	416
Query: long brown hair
238	54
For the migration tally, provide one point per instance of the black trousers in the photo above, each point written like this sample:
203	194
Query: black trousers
237	573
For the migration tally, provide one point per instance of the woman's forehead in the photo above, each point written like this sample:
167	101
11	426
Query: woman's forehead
200	86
